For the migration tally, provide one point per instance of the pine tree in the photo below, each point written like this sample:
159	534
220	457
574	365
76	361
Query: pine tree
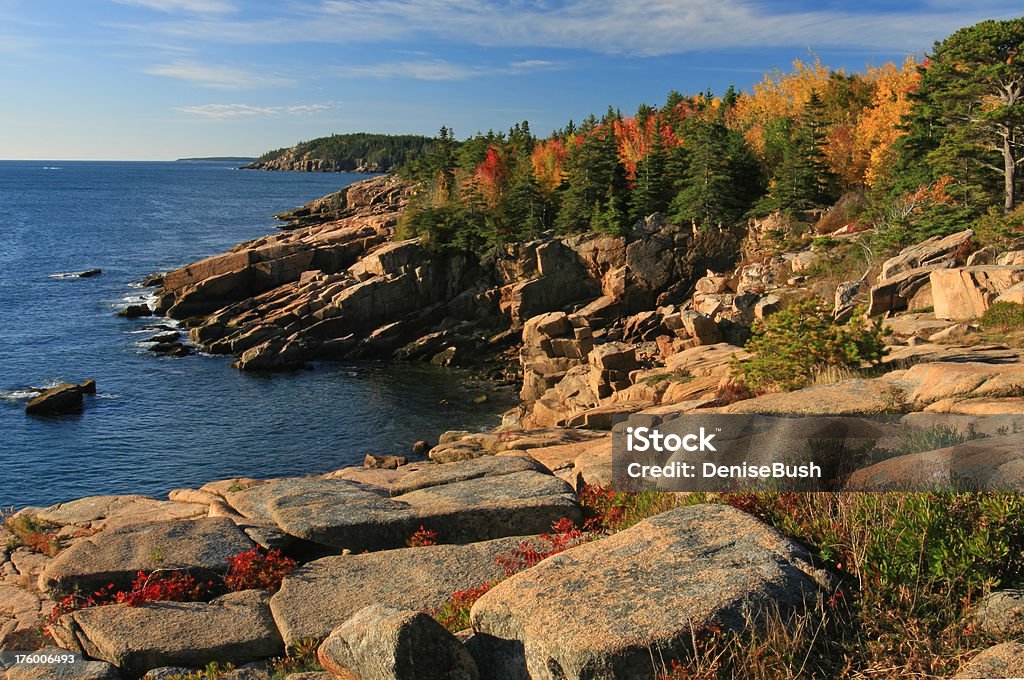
968	116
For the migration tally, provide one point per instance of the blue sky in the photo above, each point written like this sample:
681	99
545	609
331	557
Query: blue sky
159	79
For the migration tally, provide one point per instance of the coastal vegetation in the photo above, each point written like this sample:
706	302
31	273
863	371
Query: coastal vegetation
911	150
367	152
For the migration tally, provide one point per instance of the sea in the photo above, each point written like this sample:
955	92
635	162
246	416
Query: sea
159	423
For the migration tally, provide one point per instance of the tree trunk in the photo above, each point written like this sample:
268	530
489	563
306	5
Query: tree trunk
1009	174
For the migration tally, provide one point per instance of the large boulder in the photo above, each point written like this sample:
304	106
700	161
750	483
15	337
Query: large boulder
94	513
1005	660
907	290
60	669
345	515
991	464
115	556
1001	613
946	251
618	607
965	293
235	628
384	643
321	595
65	398
449	473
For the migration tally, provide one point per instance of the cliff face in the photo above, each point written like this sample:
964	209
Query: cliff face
341	287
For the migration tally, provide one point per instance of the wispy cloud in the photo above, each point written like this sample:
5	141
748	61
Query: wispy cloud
437	69
193	6
226	111
638	27
216	77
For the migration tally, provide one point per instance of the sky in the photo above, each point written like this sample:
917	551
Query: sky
163	79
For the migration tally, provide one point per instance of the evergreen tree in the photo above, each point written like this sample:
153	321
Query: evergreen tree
651	193
968	118
802	179
721	176
596	179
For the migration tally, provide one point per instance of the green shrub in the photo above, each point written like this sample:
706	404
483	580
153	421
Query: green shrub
1003	316
795	343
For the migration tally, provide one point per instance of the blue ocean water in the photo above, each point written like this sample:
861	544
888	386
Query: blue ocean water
160	423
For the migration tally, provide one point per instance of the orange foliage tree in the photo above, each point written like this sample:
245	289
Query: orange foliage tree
548	160
879	126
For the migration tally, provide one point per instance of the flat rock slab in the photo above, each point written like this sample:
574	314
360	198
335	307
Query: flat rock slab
987	464
616	607
236	628
117	555
345	515
78	670
850	397
384	643
321	595
108	512
448	473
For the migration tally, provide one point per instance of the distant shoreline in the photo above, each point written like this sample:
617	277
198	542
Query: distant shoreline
218	159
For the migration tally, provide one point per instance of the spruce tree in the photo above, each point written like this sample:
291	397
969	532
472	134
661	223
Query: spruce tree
651	193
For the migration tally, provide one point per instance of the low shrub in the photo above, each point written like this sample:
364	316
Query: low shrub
300	657
421	538
1003	316
794	343
258	569
33	533
454	614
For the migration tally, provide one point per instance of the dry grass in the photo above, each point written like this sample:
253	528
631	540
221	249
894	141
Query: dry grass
908	567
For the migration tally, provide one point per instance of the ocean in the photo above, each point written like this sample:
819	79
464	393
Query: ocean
160	423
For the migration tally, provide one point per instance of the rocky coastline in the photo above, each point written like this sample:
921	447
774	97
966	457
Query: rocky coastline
594	328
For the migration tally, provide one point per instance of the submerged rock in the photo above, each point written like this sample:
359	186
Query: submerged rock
135	311
65	398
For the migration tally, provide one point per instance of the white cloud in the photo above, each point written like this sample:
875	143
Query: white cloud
215	77
194	6
436	69
225	111
637	27
417	70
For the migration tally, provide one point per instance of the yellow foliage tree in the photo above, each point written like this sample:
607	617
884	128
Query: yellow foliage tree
878	127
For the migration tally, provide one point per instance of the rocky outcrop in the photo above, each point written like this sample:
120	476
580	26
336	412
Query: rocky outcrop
965	293
235	628
939	251
384	643
117	555
338	286
673	576
345	515
904	282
